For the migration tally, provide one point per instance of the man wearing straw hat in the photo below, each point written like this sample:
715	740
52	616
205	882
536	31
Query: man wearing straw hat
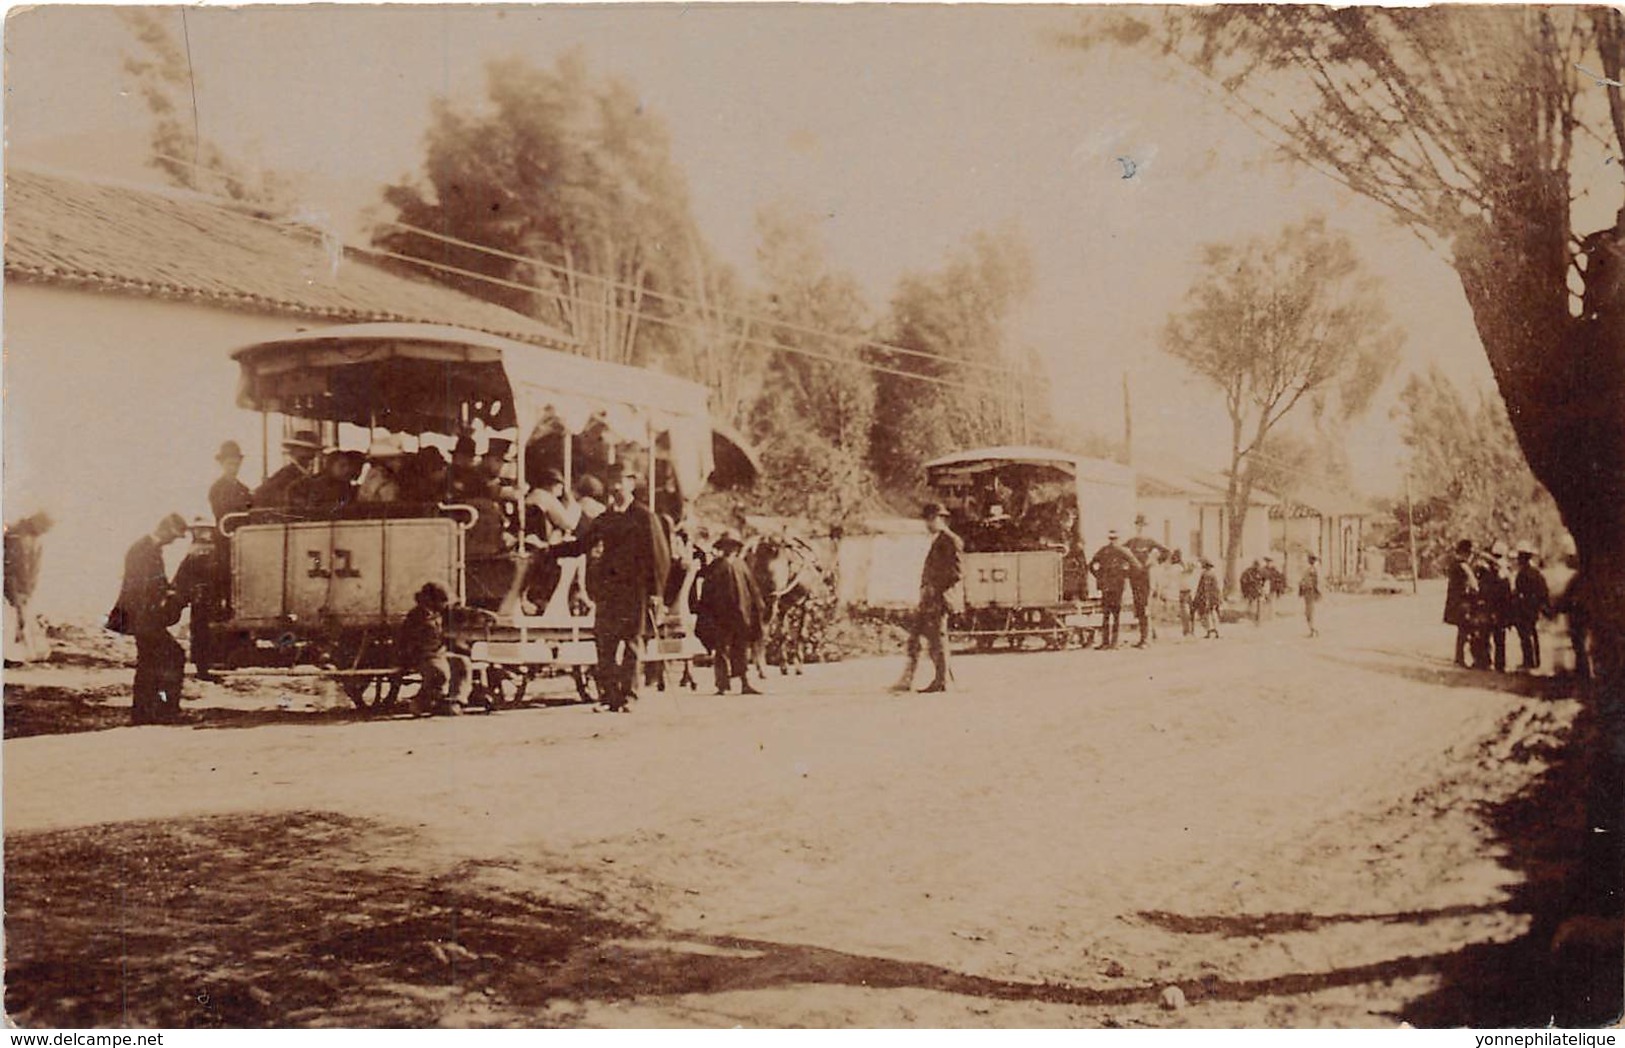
302	448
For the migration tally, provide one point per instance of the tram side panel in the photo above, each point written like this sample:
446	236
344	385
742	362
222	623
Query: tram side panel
343	573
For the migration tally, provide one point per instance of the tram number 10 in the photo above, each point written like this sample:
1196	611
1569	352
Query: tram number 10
992	574
341	569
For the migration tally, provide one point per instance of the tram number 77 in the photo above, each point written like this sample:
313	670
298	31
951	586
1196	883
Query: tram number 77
342	568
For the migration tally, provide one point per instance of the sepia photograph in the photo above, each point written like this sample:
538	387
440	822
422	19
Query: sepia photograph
841	516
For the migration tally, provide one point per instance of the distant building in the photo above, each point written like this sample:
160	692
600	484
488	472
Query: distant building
1185	510
1330	525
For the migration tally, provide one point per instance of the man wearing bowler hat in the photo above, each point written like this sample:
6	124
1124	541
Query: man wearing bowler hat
228	494
729	616
628	560
302	450
939	579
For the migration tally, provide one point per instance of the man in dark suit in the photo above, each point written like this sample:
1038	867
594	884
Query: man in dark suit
146	608
628	559
1530	599
1461	590
1112	566
942	573
228	494
302	450
729	616
331	490
203	582
1144	548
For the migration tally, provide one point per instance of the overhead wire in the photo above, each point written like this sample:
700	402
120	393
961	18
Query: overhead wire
854	341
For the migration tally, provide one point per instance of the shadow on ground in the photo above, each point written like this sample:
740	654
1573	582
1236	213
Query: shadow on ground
1560	835
50	709
254	921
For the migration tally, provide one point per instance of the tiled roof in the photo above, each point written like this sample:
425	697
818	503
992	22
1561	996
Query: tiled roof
68	230
1162	480
1316	502
1150	487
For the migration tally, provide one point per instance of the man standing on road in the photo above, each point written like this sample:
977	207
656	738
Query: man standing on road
1530	597
1495	591
1186	573
1208	601
1253	585
1309	590
939	579
1274	586
203	582
628	559
729	617
23	552
146	608
1461	589
1145	550
1112	567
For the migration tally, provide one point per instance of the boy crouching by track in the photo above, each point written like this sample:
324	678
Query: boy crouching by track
423	649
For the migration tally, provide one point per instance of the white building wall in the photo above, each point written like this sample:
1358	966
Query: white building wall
114	407
1169	521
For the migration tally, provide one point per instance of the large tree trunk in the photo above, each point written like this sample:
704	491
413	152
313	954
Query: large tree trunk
1563	380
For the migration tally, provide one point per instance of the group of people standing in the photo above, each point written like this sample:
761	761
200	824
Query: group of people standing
1157	578
1491	591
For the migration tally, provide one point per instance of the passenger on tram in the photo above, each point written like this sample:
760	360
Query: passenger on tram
493	465
547	517
302	450
333	488
466	480
382	482
423	476
590	496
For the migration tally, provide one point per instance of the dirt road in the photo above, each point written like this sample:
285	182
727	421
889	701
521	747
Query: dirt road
1284	829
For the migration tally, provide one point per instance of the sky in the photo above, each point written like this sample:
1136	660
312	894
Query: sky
905	129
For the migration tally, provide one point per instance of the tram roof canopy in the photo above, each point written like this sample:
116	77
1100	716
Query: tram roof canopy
430	378
979	460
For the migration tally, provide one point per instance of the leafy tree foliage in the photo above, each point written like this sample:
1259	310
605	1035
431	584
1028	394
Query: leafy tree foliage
562	167
961	313
161	75
1496	134
813	419
1468	472
1274	324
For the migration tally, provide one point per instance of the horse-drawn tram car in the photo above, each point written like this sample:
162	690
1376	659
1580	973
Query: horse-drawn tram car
323	588
1028	517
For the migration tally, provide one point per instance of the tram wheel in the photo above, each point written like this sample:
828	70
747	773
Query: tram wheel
585	686
373	694
504	687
